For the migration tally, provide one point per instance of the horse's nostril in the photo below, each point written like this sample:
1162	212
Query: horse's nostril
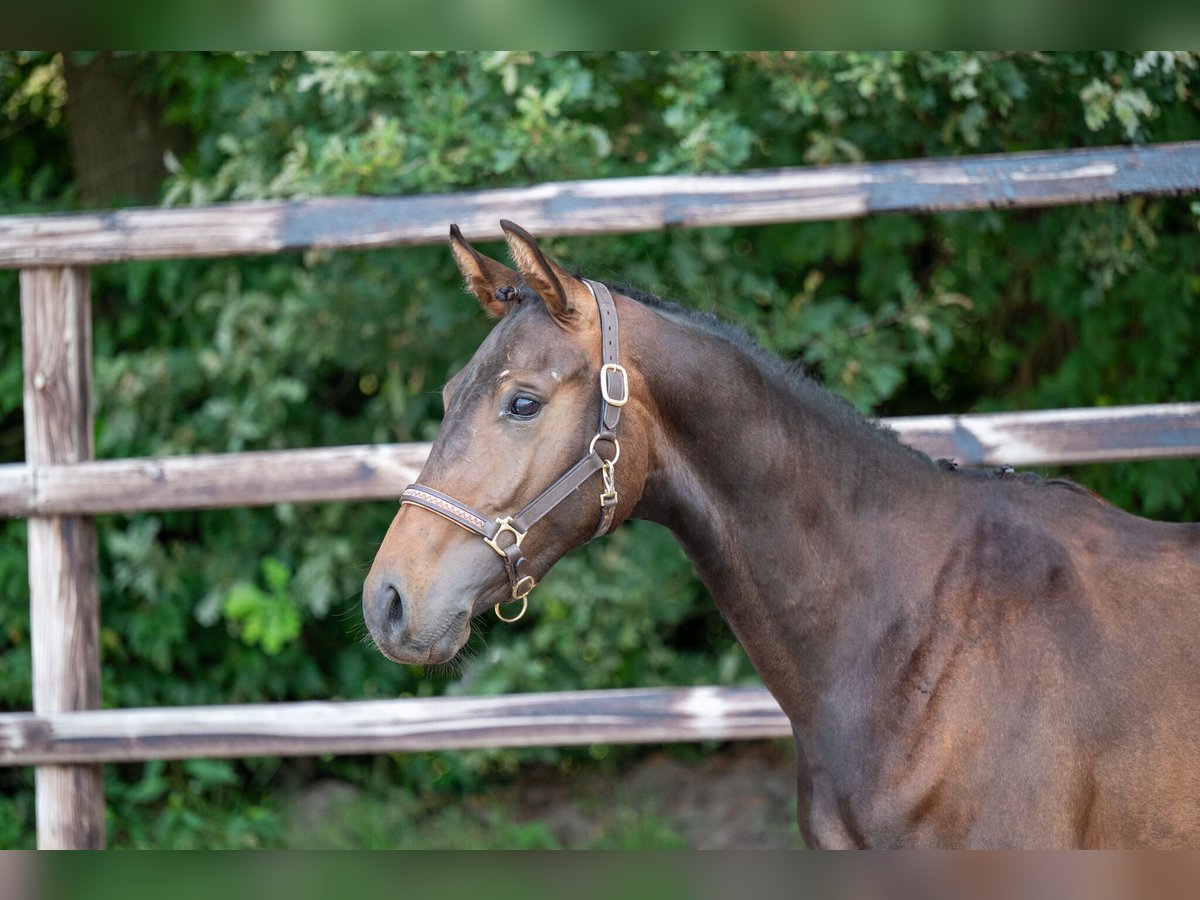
395	609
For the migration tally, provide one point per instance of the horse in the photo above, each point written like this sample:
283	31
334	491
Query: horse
966	661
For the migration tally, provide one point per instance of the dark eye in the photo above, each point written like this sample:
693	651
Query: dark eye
524	407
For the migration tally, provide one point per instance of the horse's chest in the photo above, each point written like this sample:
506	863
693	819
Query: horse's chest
864	800
882	771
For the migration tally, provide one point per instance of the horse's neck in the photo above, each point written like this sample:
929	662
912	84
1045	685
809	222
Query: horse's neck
790	509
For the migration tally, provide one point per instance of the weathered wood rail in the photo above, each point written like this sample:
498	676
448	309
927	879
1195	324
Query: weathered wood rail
607	205
380	472
60	487
573	718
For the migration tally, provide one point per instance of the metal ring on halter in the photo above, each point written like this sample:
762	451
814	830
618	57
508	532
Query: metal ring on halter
519	594
525	605
606	437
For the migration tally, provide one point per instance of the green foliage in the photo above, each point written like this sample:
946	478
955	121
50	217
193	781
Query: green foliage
16	812
197	804
37	172
384	816
269	618
1069	306
399	820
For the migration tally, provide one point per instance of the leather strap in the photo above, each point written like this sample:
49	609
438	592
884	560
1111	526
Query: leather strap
505	534
447	507
615	384
567	484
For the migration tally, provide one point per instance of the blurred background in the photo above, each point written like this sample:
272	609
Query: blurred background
1074	306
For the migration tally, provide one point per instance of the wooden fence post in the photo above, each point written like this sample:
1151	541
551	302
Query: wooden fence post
56	326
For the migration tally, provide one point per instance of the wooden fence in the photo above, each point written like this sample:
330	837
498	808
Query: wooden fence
60	486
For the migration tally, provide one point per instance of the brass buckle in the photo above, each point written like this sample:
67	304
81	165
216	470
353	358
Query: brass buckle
608	398
505	523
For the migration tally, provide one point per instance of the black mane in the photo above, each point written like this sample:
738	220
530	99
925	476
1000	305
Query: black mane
795	379
790	375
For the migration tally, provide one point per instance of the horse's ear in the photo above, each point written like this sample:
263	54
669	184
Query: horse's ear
563	293
494	283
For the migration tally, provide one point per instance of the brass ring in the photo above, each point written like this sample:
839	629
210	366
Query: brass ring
517	593
524	606
615	443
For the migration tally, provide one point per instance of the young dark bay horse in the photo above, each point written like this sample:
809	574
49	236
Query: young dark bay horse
966	661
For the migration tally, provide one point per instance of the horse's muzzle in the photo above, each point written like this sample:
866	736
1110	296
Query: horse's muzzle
393	612
403	637
385	613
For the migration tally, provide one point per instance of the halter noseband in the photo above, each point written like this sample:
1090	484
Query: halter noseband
614	393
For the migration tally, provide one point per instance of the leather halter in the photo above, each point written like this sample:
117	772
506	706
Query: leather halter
614	393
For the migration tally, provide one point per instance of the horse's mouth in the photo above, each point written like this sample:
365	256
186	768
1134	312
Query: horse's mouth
443	647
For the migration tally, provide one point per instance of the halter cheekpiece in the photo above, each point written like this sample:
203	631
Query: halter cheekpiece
505	534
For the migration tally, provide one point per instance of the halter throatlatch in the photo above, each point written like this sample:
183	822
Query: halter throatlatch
505	534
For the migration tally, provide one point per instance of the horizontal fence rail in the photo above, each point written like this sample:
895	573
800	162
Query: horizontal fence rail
214	481
381	472
1057	437
639	715
607	205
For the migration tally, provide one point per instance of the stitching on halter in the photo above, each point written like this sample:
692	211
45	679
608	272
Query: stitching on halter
449	508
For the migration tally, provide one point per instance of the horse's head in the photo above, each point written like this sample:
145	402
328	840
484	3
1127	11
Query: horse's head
523	468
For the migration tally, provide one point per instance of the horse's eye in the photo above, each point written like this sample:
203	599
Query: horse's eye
524	407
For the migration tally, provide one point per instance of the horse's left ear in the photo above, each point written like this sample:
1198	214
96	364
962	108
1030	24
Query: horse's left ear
493	283
564	294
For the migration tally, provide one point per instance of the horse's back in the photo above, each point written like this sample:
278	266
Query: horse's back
1144	581
1090	618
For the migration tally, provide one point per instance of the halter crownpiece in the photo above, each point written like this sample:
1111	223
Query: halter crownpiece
505	534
